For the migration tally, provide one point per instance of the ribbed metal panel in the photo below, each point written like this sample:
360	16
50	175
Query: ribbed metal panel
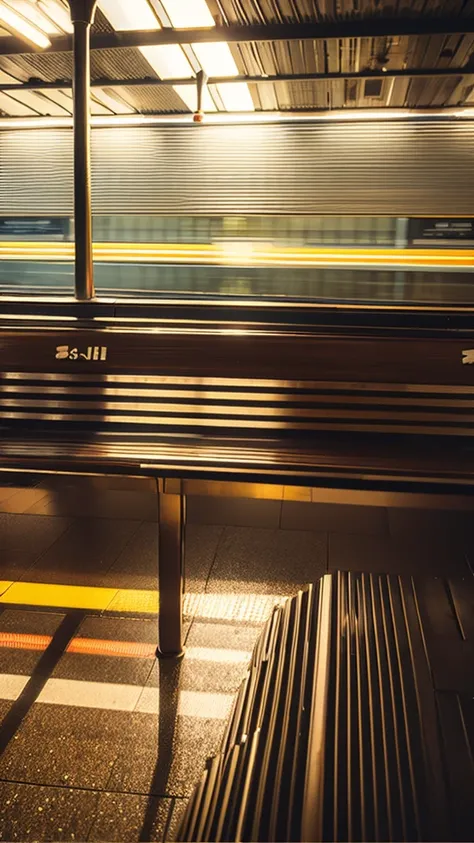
36	175
339	731
397	168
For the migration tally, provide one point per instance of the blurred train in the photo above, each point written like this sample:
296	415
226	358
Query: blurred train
305	209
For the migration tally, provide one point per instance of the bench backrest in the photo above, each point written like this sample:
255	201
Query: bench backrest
230	382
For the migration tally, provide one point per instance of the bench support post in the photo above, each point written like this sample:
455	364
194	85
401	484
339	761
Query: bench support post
171	526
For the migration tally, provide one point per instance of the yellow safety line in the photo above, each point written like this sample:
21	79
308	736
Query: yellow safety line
79	597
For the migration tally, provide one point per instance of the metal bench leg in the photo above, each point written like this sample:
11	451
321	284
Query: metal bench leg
171	524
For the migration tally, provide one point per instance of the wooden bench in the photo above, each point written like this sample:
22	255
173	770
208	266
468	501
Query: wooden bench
264	405
348	724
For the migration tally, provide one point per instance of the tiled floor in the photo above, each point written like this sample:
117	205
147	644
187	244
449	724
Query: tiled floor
100	742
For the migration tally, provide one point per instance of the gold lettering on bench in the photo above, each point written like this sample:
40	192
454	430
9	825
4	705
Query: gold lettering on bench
468	355
93	352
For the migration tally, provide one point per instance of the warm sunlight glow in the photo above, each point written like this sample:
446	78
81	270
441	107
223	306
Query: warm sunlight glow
188	14
34	14
22	27
236	96
168	61
216	59
57	12
129	14
188	94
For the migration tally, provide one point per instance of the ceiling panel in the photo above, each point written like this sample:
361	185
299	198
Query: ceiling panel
285	58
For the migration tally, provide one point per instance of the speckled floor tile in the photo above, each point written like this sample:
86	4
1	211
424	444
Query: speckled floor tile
5	706
235	512
166	762
63	745
23	661
23	538
216	658
22	499
103	668
381	554
28	812
137	565
177	811
84	554
91	502
6	492
128	817
447	525
338	518
267	561
16	564
217	655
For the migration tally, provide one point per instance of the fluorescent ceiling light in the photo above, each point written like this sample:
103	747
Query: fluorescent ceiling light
116	105
11	106
98	108
216	59
39	103
236	96
34	122
129	14
188	14
169	61
32	13
62	98
188	94
7	79
55	10
22	27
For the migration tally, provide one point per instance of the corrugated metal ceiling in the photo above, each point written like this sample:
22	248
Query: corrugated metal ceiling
286	58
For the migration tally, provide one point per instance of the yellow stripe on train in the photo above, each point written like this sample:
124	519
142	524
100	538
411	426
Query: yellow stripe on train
239	253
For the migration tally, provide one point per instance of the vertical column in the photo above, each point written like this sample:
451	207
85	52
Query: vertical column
171	526
82	15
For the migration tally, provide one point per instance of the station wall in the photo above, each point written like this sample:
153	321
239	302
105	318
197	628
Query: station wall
376	168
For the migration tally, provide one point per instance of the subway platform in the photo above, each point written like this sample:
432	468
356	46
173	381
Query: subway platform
98	740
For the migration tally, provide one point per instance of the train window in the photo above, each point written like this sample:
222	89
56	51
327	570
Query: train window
336	257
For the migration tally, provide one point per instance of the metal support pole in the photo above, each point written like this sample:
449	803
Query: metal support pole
82	15
171	527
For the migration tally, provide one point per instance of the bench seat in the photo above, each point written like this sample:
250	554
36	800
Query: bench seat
357	461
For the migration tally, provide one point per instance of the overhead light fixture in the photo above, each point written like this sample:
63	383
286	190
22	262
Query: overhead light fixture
370	114
216	58
40	103
188	14
55	10
118	106
6	79
22	27
236	96
168	61
34	122
188	94
14	108
98	109
128	15
62	98
31	12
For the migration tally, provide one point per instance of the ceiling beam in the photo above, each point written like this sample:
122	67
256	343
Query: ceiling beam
216	80
374	27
